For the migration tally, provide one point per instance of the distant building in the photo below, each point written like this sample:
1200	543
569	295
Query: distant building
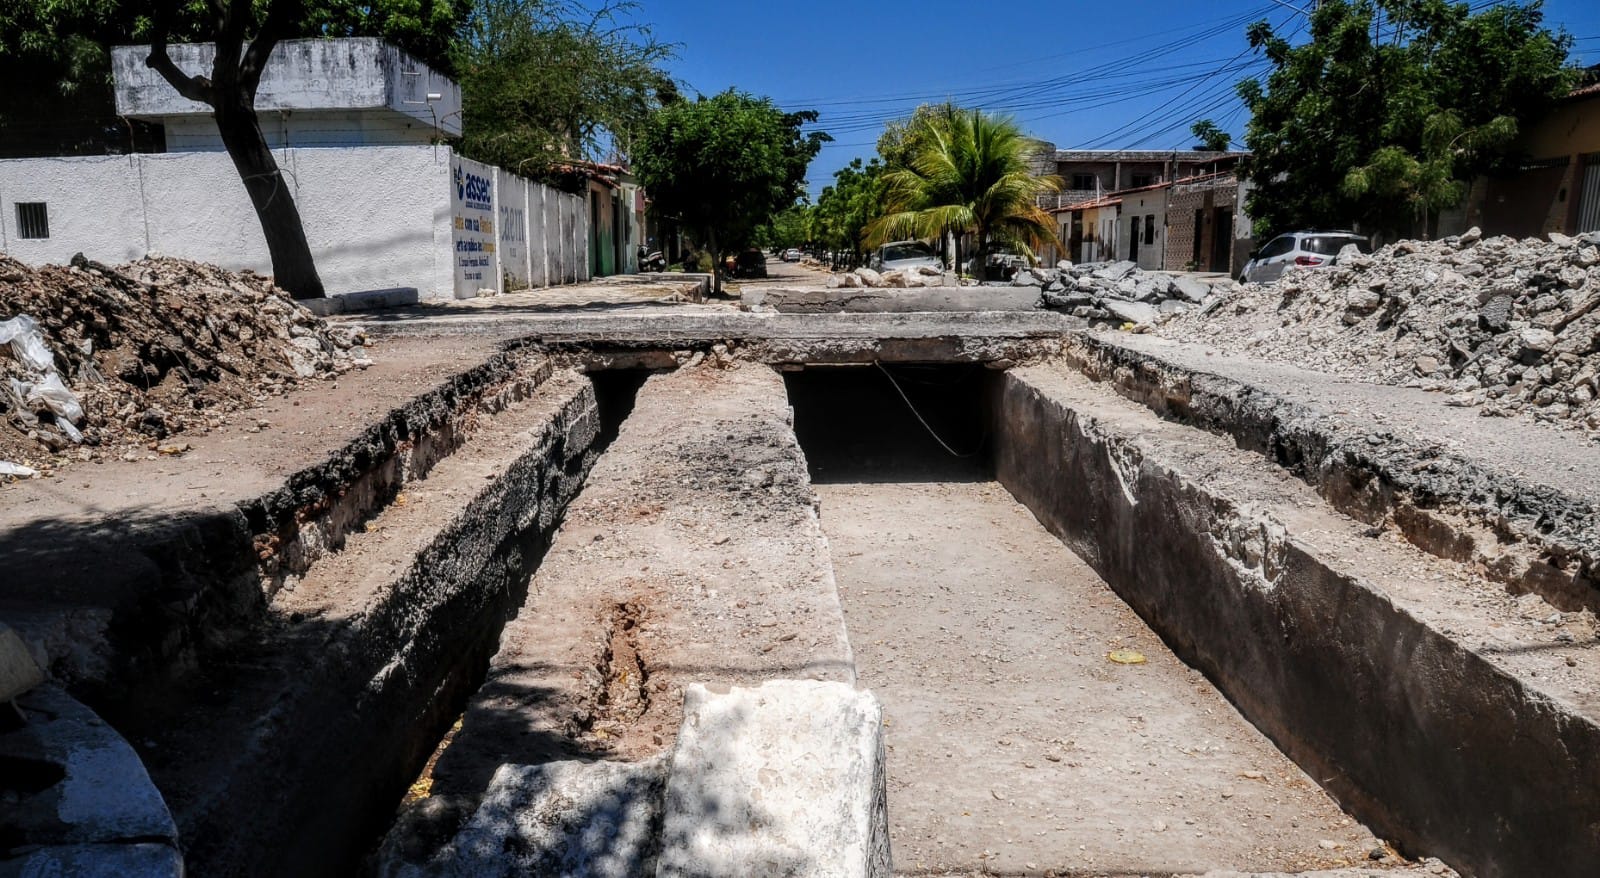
1556	188
1088	174
1193	223
357	127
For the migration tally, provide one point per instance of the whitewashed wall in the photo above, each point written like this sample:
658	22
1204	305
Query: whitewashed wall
511	209
376	217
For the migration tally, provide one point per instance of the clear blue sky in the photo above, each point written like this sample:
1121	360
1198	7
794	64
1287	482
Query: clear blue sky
1078	74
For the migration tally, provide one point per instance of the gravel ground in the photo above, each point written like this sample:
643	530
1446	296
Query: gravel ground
1015	745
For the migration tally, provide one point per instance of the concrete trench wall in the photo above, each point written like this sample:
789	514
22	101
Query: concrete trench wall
1420	737
331	717
1532	538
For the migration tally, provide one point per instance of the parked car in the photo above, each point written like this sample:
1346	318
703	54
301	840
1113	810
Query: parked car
1308	249
900	255
791	255
751	263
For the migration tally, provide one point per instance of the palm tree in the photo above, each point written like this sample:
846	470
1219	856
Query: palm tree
969	172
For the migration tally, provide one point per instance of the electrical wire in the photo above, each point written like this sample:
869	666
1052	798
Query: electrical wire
931	432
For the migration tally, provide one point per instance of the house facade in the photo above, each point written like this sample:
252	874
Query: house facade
1194	223
1556	188
356	126
1089	174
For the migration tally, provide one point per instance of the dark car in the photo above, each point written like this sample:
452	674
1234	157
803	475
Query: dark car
750	263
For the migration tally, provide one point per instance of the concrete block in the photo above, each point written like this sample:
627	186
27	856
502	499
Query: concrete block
579	819
18	671
786	778
365	300
78	792
134	860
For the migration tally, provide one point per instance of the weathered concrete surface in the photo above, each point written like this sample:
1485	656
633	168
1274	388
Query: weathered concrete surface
693	555
76	798
1015	746
775	339
1421	695
123	579
568	818
1519	501
786	778
285	754
888	300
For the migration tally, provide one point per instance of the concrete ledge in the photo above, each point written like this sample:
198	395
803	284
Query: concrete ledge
1533	534
77	799
365	300
125	602
889	300
693	555
1430	708
367	661
786	778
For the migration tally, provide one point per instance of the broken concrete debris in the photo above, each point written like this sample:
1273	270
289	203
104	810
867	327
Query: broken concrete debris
1116	292
1502	325
101	361
920	276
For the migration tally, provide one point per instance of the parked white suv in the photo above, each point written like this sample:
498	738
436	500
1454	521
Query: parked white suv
1309	249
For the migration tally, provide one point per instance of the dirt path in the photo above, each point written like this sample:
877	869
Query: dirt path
1015	746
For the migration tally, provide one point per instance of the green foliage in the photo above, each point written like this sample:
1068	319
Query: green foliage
1391	107
845	208
897	144
546	82
791	227
968	172
726	165
1210	136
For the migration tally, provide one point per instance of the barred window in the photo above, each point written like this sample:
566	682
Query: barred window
33	219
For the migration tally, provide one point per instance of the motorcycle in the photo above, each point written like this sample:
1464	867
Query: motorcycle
655	260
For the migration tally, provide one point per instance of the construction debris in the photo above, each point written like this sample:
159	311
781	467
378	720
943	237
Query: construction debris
1116	292
99	362
1505	326
920	276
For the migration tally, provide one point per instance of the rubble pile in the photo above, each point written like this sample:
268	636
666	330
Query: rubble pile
921	276
99	362
1508	326
1115	292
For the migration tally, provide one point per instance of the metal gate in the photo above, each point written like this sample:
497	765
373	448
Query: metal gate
1589	200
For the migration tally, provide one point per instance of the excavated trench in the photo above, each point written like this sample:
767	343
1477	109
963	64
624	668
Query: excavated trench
1105	643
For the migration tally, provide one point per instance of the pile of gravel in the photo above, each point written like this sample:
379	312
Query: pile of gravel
1116	292
107	361
1507	326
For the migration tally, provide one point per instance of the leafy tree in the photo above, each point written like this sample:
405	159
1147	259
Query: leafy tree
847	207
1211	137
724	166
1381	118
544	82
791	227
62	50
65	48
897	144
968	172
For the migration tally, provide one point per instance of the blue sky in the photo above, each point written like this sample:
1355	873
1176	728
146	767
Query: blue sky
1078	74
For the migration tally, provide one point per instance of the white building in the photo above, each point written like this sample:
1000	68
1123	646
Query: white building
356	126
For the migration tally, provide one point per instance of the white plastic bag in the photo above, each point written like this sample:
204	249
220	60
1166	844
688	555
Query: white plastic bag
27	343
56	397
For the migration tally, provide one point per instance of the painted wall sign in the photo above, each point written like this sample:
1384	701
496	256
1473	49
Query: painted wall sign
472	218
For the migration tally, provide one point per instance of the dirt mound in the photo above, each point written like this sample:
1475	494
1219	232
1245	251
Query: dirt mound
1510	327
112	361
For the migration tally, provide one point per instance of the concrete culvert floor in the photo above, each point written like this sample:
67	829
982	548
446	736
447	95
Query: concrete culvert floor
1015	746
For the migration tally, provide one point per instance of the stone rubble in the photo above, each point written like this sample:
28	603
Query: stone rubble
921	276
145	351
1506	326
1117	292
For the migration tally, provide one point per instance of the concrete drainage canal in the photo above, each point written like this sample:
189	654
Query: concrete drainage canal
994	620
